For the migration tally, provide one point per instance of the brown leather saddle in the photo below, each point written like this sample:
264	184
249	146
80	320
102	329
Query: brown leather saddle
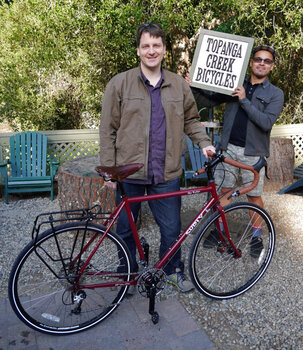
118	173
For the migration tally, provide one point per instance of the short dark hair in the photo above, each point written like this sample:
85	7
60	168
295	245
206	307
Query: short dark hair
265	48
151	28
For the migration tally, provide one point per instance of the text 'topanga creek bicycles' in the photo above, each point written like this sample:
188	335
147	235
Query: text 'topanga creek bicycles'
75	273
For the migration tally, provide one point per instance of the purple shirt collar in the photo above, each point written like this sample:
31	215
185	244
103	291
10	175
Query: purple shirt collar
147	82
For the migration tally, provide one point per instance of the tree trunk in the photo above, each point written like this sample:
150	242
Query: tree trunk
79	186
280	164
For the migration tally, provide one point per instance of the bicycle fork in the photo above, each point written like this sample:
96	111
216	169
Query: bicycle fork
222	247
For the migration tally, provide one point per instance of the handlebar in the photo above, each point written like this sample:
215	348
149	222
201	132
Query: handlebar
217	158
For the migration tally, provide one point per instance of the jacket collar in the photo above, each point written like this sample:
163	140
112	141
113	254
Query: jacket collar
146	81
165	81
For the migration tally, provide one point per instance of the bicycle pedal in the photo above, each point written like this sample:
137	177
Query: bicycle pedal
155	317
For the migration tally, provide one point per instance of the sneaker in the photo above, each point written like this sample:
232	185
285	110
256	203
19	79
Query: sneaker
212	239
178	279
256	247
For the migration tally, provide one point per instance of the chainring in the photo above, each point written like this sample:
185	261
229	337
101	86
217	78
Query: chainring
150	277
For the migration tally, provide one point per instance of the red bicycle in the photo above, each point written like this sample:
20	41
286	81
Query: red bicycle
75	274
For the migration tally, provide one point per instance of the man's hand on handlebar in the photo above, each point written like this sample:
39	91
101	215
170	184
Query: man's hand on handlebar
208	151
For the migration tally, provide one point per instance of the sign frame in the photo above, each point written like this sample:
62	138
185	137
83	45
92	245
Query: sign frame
223	76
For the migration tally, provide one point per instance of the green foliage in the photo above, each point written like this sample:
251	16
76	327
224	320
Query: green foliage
47	79
57	56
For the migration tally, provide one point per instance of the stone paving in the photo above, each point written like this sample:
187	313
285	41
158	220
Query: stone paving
128	328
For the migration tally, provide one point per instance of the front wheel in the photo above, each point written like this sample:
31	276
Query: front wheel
54	291
214	267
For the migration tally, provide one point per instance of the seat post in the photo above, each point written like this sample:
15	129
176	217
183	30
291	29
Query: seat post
121	189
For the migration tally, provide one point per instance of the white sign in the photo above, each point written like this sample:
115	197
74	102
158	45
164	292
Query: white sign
220	61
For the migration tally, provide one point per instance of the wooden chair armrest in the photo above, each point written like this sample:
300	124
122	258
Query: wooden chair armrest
54	165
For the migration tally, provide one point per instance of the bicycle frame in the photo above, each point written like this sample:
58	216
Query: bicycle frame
212	203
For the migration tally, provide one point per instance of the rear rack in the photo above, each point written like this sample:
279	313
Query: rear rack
52	219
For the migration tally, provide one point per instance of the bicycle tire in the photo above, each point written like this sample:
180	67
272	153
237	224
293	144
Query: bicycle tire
43	295
216	272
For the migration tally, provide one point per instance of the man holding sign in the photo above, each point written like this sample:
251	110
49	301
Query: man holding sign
250	113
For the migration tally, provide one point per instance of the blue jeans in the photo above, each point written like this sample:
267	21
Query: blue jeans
166	212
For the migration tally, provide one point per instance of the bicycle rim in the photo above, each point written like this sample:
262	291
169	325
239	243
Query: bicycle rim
42	287
216	271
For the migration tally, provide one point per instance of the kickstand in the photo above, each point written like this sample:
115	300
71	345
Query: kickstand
152	298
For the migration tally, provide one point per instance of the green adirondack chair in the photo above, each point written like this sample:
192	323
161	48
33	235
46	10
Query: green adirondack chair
28	169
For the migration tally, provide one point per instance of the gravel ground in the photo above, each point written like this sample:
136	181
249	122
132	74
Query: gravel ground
269	316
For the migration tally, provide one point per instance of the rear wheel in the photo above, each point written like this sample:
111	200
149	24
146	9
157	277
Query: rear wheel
49	294
214	268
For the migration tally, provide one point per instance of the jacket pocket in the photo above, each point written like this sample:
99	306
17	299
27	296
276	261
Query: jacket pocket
132	105
262	102
174	107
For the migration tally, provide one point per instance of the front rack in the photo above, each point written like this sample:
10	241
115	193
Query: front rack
51	219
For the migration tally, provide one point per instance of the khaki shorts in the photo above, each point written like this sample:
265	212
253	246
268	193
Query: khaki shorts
228	176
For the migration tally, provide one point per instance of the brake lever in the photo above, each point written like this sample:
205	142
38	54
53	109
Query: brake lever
266	174
262	162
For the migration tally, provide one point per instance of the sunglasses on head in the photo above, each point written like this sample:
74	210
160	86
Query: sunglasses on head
265	60
150	24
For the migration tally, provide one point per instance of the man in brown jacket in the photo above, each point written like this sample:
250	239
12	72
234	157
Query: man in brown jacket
145	112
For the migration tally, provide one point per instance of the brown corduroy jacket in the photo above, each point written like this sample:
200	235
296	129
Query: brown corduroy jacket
125	122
